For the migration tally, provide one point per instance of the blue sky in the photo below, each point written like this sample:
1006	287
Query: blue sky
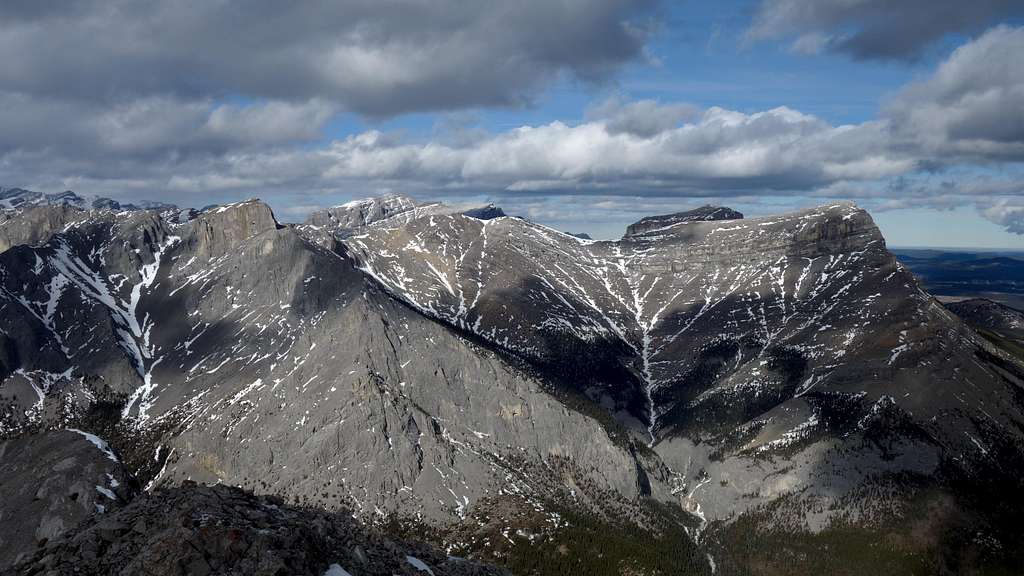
698	55
584	115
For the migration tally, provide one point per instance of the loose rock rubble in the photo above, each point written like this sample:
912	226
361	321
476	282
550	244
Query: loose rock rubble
200	530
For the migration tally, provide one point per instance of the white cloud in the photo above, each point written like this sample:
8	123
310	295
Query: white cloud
962	119
153	126
641	117
1006	212
810	44
972	106
270	122
778	149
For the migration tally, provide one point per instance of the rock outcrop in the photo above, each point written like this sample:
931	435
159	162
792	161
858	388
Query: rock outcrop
488	212
197	530
35	224
52	482
355	215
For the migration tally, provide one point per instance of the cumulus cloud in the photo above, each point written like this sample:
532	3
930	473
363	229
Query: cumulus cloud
373	57
1005	212
269	122
972	106
778	149
179	131
875	29
641	117
118	95
719	152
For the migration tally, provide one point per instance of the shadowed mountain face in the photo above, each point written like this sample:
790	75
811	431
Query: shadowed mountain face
1000	324
989	315
479	374
19	199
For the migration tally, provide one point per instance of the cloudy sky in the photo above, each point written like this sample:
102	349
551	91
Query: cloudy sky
581	114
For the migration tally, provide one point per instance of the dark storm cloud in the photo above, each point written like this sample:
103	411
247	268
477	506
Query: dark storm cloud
876	29
374	57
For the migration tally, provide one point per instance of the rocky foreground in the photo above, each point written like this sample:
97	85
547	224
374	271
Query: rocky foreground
198	530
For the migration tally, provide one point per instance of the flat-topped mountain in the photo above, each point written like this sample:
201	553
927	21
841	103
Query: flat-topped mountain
484	377
663	222
705	330
488	212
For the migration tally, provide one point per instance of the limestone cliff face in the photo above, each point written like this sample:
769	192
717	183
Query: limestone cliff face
395	412
35	224
257	357
221	230
646	304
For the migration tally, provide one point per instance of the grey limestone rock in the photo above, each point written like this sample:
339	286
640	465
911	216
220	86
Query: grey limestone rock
52	482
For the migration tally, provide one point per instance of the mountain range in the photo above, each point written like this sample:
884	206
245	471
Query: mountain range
708	394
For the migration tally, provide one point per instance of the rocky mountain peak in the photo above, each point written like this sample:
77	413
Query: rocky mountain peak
203	530
65	197
707	213
488	212
346	219
19	198
362	212
219	230
990	316
35	223
650	303
11	198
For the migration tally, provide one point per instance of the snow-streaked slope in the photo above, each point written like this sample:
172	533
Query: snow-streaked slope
717	324
263	359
